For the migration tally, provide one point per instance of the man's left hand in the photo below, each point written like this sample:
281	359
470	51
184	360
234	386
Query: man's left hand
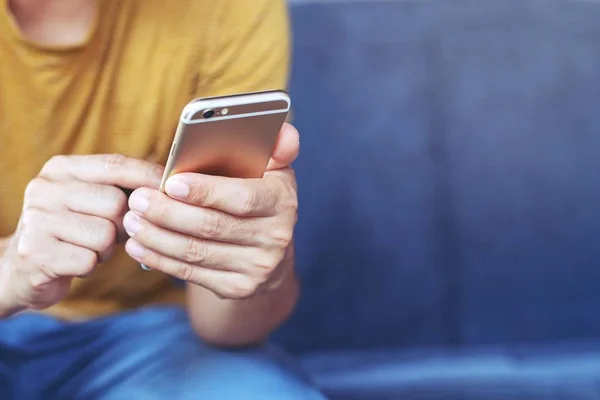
225	234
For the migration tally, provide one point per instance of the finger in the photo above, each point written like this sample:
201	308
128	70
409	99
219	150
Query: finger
108	169
286	149
226	284
76	261
80	197
199	222
204	253
241	197
62	259
93	233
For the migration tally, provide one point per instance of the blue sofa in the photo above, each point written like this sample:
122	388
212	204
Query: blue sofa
449	234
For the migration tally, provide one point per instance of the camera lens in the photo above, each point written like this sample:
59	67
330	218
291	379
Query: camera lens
208	114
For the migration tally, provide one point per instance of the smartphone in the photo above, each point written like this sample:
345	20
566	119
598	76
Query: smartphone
232	136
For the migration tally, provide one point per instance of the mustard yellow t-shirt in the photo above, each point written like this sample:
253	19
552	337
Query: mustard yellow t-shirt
121	91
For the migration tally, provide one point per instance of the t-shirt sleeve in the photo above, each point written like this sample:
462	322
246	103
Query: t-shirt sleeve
248	49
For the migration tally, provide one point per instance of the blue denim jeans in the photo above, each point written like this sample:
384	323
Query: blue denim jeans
147	354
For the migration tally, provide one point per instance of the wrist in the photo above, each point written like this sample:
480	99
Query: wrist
7	306
8	309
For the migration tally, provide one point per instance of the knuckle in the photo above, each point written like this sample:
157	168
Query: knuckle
35	188
240	289
250	201
88	263
195	251
85	261
184	271
281	237
117	203
291	178
158	209
289	202
25	247
244	229
266	264
54	164
29	217
106	235
46	273
211	225
203	193
155	170
40	278
32	221
114	161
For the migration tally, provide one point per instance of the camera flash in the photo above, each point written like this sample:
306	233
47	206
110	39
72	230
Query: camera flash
224	111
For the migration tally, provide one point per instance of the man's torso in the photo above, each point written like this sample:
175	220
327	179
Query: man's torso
120	92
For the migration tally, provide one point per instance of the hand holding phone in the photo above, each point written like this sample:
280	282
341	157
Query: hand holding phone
231	236
230	136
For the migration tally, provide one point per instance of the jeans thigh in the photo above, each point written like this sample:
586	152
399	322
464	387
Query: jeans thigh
154	354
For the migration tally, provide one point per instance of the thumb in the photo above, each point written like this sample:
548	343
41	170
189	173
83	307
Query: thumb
286	149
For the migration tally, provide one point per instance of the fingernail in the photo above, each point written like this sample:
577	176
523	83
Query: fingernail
177	188
138	203
135	250
132	224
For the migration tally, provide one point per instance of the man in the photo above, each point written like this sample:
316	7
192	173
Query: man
90	92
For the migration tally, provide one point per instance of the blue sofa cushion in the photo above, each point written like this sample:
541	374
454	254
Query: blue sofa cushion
566	372
449	173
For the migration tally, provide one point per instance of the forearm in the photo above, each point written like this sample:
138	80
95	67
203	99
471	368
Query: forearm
239	323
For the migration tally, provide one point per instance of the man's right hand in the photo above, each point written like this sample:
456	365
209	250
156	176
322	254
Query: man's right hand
71	220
